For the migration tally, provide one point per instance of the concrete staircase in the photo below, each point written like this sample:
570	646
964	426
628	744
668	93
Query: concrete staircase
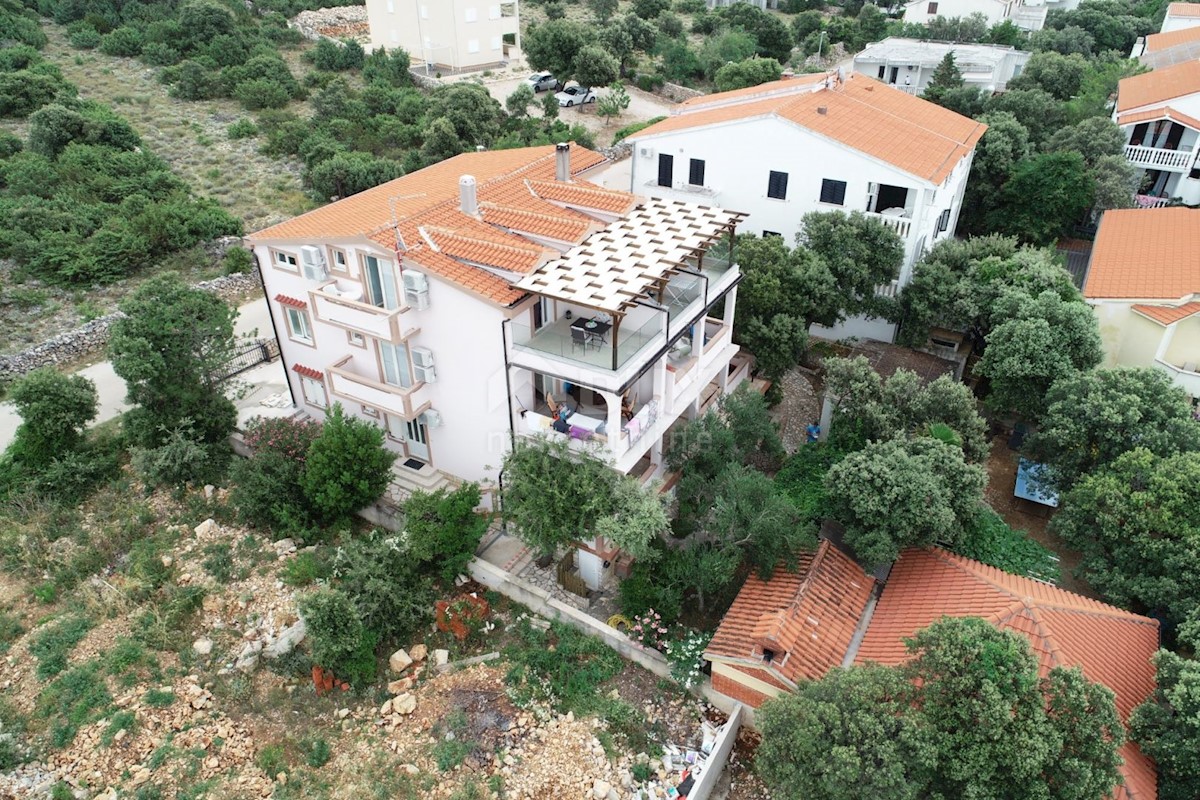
405	481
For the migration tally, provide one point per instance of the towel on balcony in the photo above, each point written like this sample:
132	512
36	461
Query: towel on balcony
583	434
634	429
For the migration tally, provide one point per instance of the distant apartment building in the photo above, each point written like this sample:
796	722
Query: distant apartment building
499	295
816	143
1178	46
1029	16
1180	16
1159	112
449	35
908	64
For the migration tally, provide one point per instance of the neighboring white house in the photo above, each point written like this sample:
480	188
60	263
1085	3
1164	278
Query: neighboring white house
908	64
498	294
451	35
1030	16
1144	284
1160	50
1180	16
1159	113
816	143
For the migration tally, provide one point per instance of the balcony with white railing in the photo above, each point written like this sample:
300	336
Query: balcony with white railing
340	303
1160	158
900	223
1185	375
354	380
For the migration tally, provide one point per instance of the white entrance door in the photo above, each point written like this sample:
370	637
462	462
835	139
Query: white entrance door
416	439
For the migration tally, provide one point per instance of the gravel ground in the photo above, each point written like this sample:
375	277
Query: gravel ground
800	405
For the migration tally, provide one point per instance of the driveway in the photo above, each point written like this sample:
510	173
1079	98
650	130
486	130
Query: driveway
266	385
642	106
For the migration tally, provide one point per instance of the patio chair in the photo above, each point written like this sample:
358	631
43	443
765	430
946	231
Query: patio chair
579	338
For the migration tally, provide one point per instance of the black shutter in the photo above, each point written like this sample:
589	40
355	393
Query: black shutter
944	221
666	169
833	192
696	172
777	185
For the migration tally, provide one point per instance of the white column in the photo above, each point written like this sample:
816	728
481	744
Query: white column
1164	344
612	426
730	306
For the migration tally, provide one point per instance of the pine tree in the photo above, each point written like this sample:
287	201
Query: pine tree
946	77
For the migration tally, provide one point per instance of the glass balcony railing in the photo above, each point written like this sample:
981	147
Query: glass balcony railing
557	340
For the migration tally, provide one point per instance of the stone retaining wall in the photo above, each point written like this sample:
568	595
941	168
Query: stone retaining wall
676	93
617	152
341	22
93	336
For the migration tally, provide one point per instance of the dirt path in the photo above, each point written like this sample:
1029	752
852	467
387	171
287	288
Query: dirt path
190	135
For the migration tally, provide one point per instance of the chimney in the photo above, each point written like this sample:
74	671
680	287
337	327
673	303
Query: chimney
467	199
822	110
562	162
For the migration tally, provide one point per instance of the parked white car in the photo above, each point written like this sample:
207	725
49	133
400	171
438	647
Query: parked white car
575	95
542	82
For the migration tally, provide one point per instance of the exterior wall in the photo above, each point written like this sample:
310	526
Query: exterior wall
1131	340
995	11
1173	23
913	77
1185	344
456	34
1140	341
736	178
728	682
461	331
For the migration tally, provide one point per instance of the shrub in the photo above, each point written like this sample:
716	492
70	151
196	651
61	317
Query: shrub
10	630
55	642
125	41
243	129
54	410
316	752
990	539
286	436
178	461
443	529
71	700
633	128
158	698
218	562
10	145
266	492
120	721
261	93
304	568
686	657
645	590
237	260
347	467
339	640
391	596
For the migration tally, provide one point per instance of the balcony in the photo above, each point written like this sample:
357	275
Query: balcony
902	225
1159	158
349	379
1183	375
339	303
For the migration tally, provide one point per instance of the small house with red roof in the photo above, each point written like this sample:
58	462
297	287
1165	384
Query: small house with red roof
830	613
1143	282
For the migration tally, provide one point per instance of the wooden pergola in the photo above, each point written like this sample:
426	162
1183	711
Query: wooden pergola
633	258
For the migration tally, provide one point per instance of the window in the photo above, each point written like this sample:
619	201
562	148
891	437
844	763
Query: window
931	9
772	233
943	221
496	43
472	45
666	170
391	7
370	412
298	325
833	192
696	172
380	283
493	12
1194	174
314	392
339	260
882	71
286	261
777	185
470	15
356	339
396	369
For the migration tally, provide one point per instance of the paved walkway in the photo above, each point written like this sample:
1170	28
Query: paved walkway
265	381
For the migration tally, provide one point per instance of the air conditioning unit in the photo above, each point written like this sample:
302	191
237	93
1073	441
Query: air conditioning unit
422	357
646	152
425	374
432	417
312	262
416	290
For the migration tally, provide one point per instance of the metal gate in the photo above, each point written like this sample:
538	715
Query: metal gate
259	351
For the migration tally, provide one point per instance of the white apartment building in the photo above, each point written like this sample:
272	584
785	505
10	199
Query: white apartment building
1159	112
1180	16
500	294
450	35
909	64
1029	16
816	143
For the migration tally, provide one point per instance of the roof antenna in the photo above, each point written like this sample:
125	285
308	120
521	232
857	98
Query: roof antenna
400	245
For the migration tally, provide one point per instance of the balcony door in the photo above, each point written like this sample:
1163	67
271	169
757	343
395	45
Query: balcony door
381	283
396	368
413	433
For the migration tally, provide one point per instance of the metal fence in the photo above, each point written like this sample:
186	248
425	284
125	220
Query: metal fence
258	351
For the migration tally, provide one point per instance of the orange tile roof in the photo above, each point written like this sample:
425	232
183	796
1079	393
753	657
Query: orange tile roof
424	207
1183	10
1168	315
910	133
1158	86
308	372
283	299
1146	254
1168	112
807	617
1161	41
762	89
1113	647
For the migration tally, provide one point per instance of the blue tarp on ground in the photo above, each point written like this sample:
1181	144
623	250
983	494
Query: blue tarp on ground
1028	474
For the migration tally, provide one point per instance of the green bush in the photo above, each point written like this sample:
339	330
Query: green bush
179	460
316	752
125	41
23	91
390	594
347	467
802	477
10	145
633	128
243	129
218	562
338	639
73	699
10	630
562	665
443	530
54	643
237	260
992	541
645	589
259	93
158	698
305	568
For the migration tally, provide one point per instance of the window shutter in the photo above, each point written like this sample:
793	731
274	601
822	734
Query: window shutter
777	185
944	220
666	170
696	172
833	192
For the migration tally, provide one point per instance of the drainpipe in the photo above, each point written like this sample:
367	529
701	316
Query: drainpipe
262	281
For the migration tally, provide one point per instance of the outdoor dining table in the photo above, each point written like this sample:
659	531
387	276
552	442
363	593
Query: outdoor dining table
592	329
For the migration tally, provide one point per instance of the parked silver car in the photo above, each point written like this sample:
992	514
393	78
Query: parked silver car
542	82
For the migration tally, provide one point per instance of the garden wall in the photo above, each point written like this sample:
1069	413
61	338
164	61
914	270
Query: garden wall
676	93
719	755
